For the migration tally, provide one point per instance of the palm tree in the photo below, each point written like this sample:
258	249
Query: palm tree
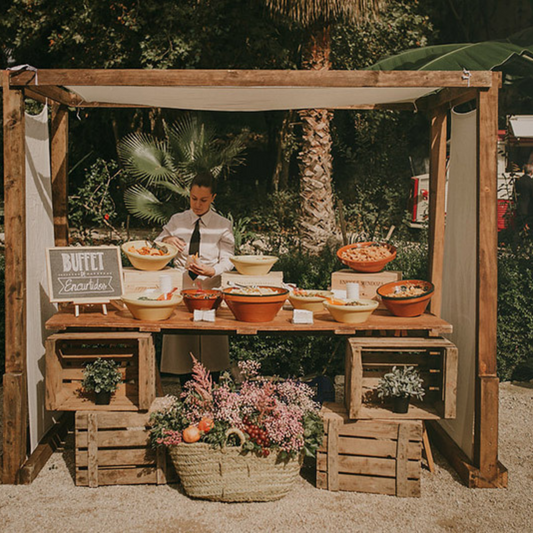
316	17
163	169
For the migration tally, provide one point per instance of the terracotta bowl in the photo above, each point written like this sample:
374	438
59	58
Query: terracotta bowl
255	307
366	266
148	262
398	305
201	299
151	310
352	314
309	300
253	265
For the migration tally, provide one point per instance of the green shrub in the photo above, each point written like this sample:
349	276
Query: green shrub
515	312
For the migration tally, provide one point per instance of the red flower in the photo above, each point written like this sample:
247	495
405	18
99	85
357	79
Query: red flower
106	217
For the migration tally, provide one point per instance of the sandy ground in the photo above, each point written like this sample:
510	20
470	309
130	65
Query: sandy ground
53	502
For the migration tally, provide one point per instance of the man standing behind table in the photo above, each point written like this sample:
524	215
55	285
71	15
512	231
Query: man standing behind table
201	231
524	199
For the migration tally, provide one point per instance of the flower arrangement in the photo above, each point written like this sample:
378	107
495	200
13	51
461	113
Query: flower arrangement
275	416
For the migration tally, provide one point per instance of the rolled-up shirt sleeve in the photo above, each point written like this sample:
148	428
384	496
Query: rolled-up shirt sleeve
226	250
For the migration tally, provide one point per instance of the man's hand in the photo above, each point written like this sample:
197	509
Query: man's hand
201	269
175	241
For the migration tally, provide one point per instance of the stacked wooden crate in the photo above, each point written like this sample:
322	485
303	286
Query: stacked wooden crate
367	447
112	441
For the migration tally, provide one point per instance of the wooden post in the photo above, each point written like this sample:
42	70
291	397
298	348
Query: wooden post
59	171
437	199
15	397
486	405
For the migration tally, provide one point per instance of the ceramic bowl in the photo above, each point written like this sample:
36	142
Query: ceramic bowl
151	310
255	307
148	262
253	265
407	306
201	299
366	266
309	300
351	314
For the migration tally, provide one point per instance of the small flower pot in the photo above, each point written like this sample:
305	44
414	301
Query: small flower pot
103	398
400	404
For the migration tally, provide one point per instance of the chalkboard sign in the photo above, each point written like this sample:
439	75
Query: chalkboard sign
84	273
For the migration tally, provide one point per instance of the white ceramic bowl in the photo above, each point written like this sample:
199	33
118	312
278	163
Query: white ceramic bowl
253	265
352	314
151	310
310	300
148	262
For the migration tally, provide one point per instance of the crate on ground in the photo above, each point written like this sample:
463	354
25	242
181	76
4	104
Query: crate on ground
68	353
113	448
368	359
375	456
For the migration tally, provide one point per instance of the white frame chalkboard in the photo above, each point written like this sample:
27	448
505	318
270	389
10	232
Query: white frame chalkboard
112	266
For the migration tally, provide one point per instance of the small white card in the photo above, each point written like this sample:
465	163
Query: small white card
204	315
338	293
302	316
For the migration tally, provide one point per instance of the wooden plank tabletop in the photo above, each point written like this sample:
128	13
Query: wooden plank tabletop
225	323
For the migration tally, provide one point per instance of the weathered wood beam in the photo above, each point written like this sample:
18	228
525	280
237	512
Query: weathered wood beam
486	405
15	398
59	171
437	203
54	94
448	97
249	78
51	441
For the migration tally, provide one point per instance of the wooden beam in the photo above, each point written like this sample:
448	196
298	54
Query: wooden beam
59	170
448	97
15	426
486	404
15	397
54	94
51	441
248	78
468	473
437	203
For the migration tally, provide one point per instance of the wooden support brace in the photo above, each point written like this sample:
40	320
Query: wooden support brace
402	462
92	449
333	453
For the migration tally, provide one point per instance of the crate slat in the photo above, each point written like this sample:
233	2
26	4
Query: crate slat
369	484
120	476
377	466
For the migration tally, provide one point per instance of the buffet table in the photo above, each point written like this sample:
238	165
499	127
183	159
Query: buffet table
181	321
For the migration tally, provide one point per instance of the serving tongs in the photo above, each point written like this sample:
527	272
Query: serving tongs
161	248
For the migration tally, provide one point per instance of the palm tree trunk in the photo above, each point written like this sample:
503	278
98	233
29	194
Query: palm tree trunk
317	218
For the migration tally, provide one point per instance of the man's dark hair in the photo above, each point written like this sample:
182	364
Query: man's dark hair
204	179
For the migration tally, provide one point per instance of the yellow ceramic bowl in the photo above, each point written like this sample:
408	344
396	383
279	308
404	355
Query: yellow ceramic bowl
151	310
148	262
309	300
253	265
352	314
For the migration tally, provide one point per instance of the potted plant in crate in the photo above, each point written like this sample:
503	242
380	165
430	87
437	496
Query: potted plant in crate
103	377
238	442
400	385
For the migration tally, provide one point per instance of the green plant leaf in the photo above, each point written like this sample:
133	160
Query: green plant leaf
143	204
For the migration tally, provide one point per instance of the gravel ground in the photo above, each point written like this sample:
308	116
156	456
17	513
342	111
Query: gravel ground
53	502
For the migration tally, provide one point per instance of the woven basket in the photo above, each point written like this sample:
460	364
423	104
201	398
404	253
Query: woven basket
228	475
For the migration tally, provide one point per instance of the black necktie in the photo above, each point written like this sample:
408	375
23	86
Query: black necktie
194	245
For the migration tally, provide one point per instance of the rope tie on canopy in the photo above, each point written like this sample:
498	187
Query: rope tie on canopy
466	75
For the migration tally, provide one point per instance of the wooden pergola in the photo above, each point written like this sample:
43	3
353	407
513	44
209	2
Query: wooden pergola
455	88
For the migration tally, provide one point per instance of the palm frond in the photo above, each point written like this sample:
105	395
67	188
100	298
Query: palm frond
146	158
309	12
143	204
189	137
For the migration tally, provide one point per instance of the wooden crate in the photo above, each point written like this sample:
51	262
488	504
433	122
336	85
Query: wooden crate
113	448
368	283
68	353
272	279
375	456
370	358
142	280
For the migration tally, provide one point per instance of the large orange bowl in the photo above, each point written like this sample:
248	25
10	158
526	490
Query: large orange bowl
366	266
201	299
255	307
406	305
